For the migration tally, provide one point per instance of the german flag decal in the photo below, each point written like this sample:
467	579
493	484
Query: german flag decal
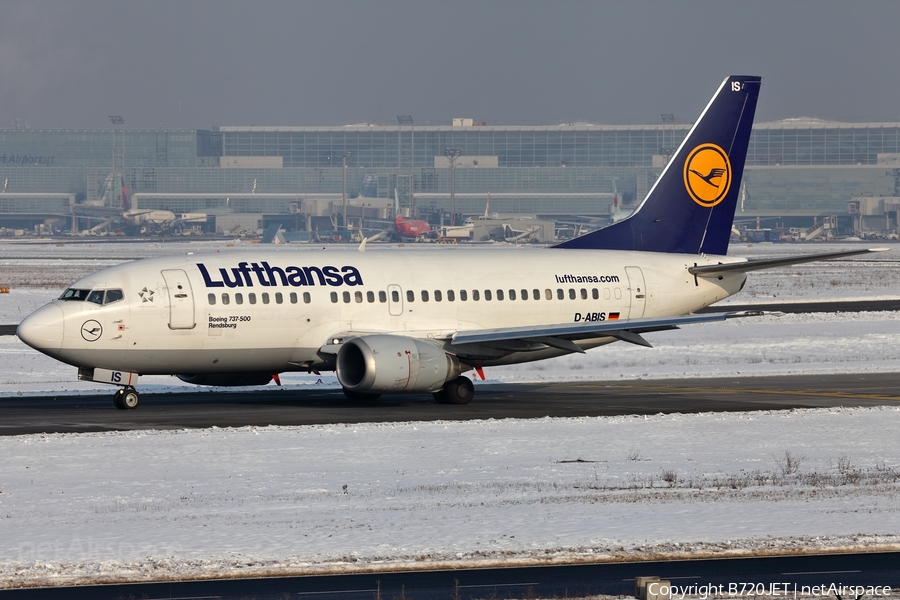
613	316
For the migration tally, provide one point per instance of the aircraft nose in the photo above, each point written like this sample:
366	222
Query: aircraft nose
43	329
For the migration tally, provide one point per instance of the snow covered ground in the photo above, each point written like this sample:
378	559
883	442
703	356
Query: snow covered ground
153	504
190	503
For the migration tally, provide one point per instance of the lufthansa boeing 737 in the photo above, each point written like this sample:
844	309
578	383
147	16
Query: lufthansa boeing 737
406	320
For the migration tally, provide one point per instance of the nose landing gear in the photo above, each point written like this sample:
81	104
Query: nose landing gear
126	398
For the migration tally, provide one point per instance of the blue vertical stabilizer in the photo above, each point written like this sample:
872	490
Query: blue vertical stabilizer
691	206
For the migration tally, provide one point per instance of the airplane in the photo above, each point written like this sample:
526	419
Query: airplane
410	228
400	228
408	320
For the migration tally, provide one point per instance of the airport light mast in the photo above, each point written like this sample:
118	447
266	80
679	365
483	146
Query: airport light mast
404	185
452	154
118	159
668	151
346	154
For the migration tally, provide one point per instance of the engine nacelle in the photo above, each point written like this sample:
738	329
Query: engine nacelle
393	363
227	379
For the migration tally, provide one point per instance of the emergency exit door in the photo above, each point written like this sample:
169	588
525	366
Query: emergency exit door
638	290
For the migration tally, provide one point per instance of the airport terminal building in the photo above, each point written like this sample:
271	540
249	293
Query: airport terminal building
799	171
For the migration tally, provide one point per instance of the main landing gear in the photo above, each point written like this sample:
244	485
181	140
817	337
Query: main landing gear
126	398
457	391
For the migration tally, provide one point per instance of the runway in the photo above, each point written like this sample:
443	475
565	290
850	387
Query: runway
273	406
775	576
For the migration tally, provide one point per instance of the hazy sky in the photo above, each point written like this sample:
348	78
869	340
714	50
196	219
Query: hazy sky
72	63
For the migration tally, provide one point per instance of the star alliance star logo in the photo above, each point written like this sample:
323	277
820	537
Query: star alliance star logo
146	295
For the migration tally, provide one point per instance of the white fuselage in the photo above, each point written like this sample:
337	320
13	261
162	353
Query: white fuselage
274	310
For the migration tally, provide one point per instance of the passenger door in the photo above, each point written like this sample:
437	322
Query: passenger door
181	299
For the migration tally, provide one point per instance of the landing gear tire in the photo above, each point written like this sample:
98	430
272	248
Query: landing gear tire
126	399
459	391
117	399
361	396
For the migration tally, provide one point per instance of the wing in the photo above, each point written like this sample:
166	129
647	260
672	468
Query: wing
563	336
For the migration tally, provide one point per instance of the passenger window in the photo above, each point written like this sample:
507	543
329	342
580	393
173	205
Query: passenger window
475	296
252	297
560	295
395	296
382	296
226	299
451	295
525	294
346	297
595	294
606	293
571	293
438	296
424	295
548	294
499	295
463	296
487	295
410	296
618	292
113	296
278	298
370	296
211	298
96	297
583	294
238	298
306	298
265	297
334	297
357	296
512	294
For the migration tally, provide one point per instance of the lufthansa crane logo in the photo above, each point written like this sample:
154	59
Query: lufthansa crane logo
707	175
91	331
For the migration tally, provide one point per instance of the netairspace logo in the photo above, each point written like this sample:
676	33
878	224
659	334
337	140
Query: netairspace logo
773	590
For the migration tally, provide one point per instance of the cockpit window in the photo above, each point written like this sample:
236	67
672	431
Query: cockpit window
113	296
95	296
73	294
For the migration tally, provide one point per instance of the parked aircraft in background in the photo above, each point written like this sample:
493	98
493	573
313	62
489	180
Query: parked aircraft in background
413	320
410	229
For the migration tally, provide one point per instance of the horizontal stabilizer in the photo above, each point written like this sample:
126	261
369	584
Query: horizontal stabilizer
771	263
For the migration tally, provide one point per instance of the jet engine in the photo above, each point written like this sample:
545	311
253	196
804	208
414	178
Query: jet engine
227	379
392	363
